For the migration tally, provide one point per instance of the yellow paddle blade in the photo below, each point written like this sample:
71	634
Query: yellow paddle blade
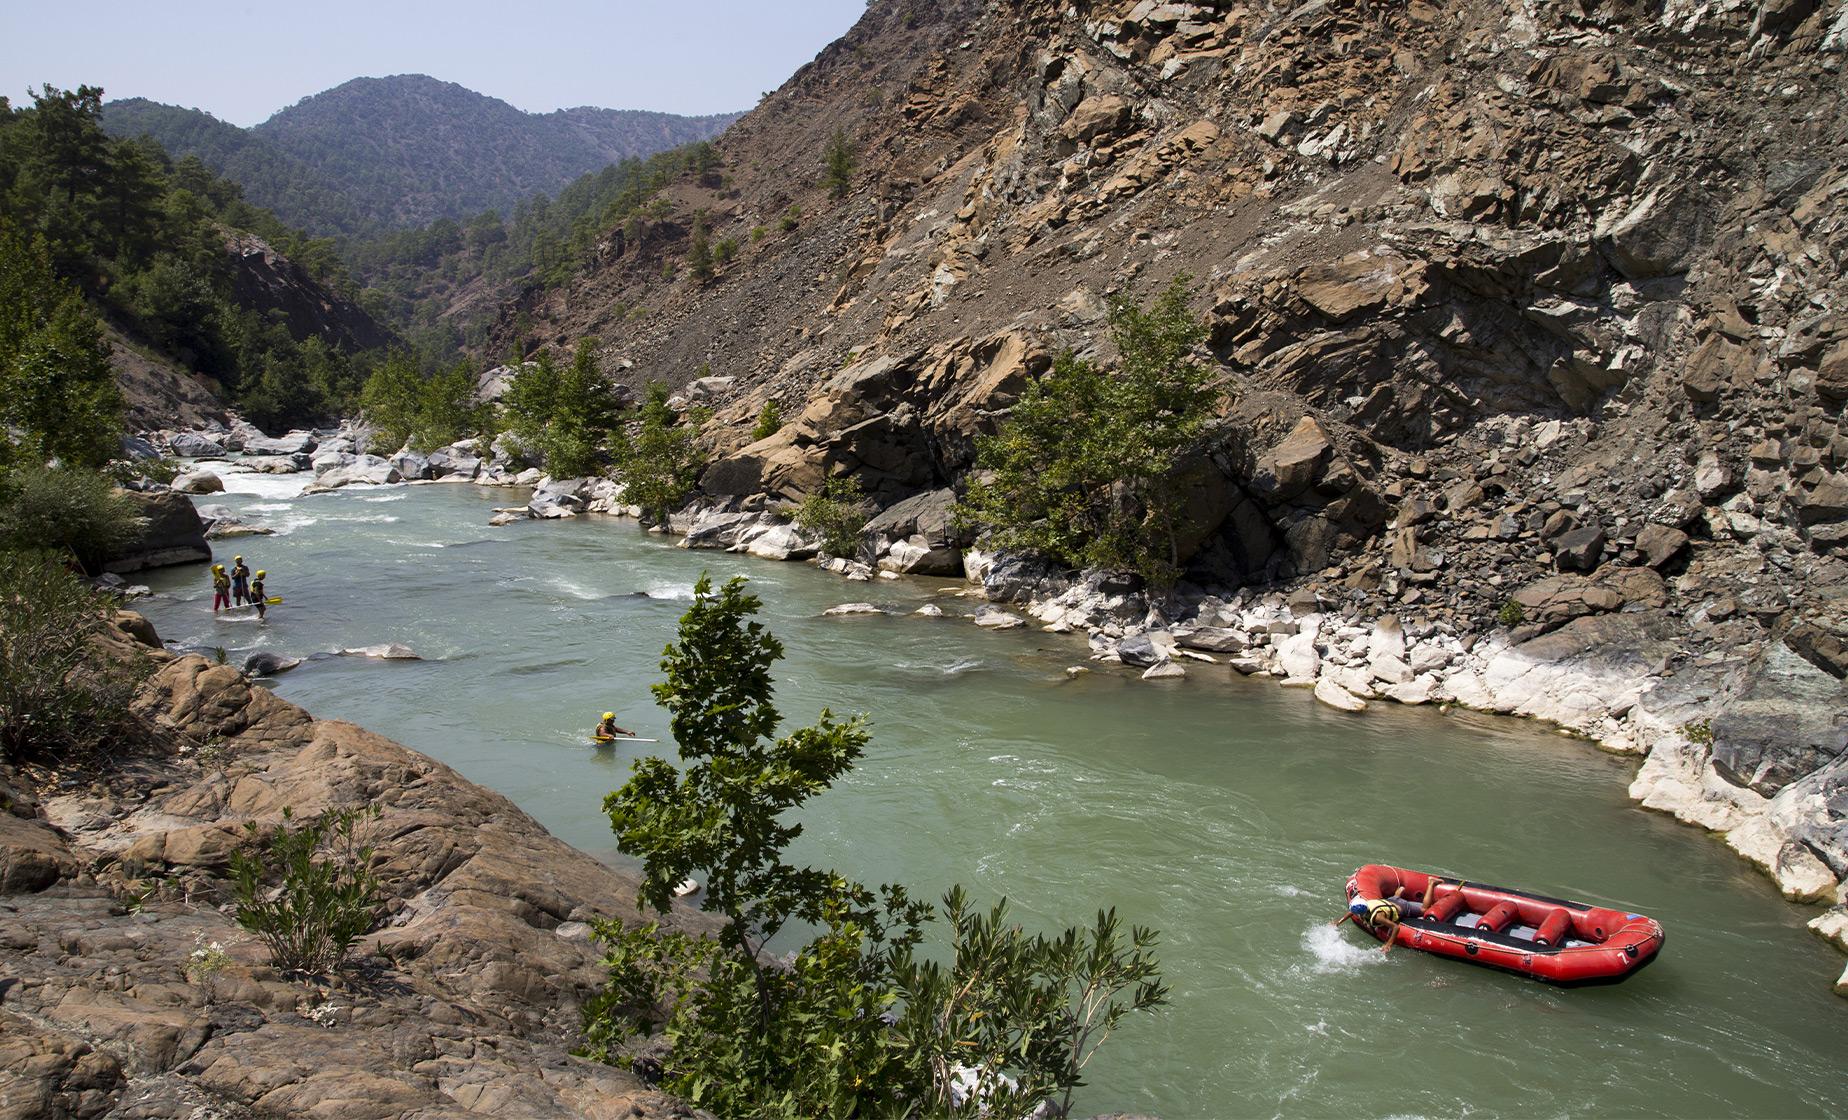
273	599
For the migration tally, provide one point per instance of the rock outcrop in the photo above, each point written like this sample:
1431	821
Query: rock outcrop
172	533
132	992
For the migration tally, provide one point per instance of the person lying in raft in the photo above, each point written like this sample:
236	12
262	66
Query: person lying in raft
1383	915
608	730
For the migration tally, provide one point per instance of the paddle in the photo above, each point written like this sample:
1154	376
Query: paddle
624	739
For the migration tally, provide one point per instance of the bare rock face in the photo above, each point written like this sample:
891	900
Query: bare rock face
173	534
466	999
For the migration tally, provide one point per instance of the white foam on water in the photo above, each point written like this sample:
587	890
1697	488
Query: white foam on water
661	589
263	485
1334	953
575	590
1288	890
270	507
398	497
965	665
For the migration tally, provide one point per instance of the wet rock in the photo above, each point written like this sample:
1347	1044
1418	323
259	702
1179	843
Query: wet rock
1335	696
1164	670
929	610
991	618
266	664
852	609
1140	651
390	651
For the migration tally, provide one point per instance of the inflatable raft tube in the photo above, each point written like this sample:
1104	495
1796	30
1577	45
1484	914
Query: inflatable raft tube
1551	939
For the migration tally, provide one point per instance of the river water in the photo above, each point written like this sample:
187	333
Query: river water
1226	813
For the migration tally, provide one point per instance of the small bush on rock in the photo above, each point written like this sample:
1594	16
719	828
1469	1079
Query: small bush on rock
834	514
1512	614
57	695
307	891
769	421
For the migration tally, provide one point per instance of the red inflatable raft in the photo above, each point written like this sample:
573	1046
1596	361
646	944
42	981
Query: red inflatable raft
1567	943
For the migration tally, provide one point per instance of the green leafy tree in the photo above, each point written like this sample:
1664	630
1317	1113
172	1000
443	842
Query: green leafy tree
663	462
564	414
699	252
58	397
838	165
391	402
1084	467
854	1024
834	514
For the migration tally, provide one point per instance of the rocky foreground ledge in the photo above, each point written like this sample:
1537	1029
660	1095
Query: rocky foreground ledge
465	1003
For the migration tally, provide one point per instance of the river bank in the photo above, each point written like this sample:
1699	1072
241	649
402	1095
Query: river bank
130	990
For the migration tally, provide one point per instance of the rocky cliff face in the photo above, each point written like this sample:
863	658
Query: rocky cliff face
1532	319
465	1002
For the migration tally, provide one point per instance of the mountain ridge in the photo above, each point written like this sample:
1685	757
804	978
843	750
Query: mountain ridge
378	154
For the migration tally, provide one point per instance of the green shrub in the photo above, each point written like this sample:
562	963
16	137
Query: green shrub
834	515
758	233
58	695
1511	614
307	891
791	218
663	461
1088	466
1699	732
724	249
769	421
837	165
77	512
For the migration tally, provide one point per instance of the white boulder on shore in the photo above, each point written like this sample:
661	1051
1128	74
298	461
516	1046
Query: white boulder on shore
1332	694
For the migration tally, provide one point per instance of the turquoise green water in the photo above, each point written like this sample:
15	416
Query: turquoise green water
1227	813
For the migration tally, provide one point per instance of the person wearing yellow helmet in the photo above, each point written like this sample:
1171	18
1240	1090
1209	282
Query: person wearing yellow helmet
240	582
221	588
256	594
608	730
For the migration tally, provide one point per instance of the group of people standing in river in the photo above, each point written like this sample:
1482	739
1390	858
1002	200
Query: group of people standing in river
238	588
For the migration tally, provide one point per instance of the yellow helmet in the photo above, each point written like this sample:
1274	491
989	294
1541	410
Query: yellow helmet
218	567
609	715
238	559
261	573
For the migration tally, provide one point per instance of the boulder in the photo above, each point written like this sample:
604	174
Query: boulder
198	482
171	533
993	618
852	609
779	542
929	610
1298	658
266	664
1658	234
915	555
1335	696
1213	639
364	469
1294	464
196	445
271	464
450	463
1140	651
391	651
1660	544
1579	550
294	443
1164	670
410	465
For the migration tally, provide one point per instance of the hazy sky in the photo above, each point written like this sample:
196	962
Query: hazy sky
243	61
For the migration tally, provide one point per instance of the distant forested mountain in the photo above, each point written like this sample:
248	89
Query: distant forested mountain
379	154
